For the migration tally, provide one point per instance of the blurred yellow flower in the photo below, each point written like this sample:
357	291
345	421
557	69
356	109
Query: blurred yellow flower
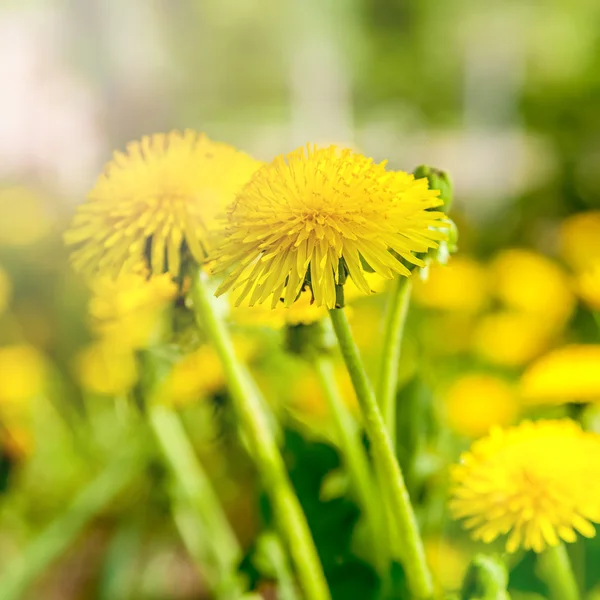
580	239
23	372
196	376
302	312
5	289
568	374
537	482
477	401
321	211
24	217
461	285
199	374
17	439
307	397
105	368
448	562
161	196
127	310
511	339
529	282
587	286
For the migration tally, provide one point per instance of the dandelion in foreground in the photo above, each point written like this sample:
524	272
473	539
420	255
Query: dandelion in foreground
320	215
158	198
537	483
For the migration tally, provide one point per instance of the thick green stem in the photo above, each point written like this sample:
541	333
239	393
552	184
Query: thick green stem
554	568
204	509
255	425
59	535
392	345
391	478
354	457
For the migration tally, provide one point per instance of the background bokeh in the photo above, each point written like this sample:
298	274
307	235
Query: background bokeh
504	95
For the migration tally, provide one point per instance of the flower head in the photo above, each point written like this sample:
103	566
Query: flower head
567	374
322	214
23	372
536	482
477	401
510	338
580	239
525	280
127	309
105	369
160	196
587	285
461	286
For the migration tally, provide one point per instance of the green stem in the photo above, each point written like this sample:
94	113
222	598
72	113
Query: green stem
354	457
392	344
415	565
255	425
200	501
61	533
286	586
555	569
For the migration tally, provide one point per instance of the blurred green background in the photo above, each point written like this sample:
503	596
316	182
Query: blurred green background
503	94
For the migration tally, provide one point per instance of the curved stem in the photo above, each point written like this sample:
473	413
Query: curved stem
395	320
555	569
391	479
199	507
354	457
290	518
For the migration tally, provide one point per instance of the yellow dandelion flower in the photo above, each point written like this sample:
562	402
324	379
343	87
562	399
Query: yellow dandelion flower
567	374
462	285
303	312
580	239
105	369
448	562
17	440
127	309
475	402
321	213
307	399
510	338
537	483
529	282
587	286
160	196
23	373
199	374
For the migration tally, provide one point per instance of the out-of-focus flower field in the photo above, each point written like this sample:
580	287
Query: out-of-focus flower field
504	97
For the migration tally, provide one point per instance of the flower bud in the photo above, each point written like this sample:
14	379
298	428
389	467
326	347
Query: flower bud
438	180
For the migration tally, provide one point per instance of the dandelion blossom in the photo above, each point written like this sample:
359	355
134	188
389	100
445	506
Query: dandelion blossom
537	483
587	286
474	402
567	374
162	195
322	214
127	309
